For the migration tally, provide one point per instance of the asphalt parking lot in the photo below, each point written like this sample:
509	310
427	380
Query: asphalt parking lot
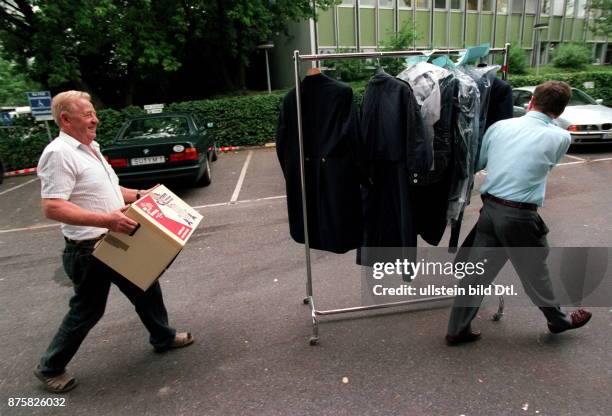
238	286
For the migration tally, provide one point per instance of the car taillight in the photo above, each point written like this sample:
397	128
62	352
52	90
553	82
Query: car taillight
191	153
117	163
574	127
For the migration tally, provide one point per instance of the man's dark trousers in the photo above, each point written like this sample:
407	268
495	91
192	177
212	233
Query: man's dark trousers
91	279
501	228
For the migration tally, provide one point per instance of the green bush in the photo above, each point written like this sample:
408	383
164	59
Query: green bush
239	121
403	40
571	55
517	61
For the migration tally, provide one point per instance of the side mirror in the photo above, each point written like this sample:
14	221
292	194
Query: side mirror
599	101
525	106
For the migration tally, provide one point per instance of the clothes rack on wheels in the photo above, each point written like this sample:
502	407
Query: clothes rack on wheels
297	59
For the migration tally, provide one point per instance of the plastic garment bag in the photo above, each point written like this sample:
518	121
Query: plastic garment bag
466	134
483	77
424	79
473	102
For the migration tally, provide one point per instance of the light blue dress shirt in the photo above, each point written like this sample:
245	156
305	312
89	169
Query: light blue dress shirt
518	153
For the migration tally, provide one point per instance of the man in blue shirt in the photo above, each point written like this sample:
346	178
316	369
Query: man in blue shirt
517	153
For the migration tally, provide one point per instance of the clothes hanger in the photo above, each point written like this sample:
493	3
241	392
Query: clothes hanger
313	70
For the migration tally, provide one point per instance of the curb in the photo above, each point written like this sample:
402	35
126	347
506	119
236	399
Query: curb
238	148
20	172
223	149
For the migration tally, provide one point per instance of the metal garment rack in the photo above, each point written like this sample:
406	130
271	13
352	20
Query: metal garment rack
309	300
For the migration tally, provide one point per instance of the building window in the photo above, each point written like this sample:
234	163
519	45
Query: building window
502	6
569	10
545	9
367	3
387	4
405	4
530	7
456	4
558	7
517	6
472	5
581	8
440	4
487	6
422	4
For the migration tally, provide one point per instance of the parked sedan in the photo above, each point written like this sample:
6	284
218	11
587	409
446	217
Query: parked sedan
587	120
165	146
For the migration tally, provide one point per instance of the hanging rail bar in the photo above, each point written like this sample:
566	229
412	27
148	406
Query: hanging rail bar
352	55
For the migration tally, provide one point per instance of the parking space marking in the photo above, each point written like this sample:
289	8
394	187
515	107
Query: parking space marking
576	157
234	197
605	159
582	162
245	201
34	227
18	186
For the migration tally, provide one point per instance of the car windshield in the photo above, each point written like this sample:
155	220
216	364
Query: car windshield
153	128
580	98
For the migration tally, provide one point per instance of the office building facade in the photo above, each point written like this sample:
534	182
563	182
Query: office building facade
365	25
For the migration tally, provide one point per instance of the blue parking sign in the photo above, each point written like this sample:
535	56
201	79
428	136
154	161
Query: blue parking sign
6	118
40	103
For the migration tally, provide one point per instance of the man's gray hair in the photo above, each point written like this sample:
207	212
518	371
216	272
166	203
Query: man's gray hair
63	102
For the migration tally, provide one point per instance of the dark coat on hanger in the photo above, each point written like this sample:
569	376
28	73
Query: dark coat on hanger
333	173
395	145
500	102
430	192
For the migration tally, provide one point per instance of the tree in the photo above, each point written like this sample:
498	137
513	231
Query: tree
14	85
136	51
601	22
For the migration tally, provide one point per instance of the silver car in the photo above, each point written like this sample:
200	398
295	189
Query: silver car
586	119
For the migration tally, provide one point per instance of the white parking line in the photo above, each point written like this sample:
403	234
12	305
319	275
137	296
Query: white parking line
572	163
18	186
575	157
245	201
234	197
605	159
34	227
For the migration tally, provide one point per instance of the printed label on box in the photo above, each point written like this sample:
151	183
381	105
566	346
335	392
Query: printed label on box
173	217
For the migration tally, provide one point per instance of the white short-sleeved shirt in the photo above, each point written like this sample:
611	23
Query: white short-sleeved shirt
68	170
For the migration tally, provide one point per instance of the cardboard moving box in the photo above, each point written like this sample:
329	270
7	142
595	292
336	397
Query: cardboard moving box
165	225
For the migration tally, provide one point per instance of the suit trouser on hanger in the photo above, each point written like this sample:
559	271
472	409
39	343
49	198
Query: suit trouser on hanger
499	229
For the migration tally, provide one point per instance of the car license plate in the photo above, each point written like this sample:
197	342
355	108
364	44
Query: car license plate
147	160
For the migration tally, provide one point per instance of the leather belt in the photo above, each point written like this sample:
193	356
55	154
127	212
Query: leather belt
84	242
513	204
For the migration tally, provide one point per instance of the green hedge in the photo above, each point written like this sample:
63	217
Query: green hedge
239	121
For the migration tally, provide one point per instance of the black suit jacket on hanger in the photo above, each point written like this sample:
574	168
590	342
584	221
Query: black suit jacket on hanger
500	102
395	146
332	164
